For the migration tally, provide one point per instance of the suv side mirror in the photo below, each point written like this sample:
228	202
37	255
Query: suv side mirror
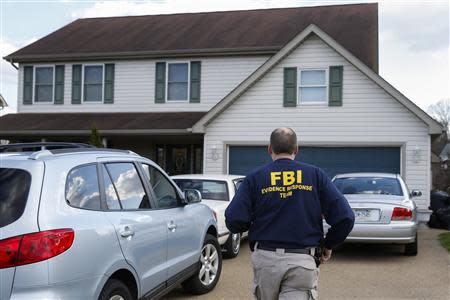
192	196
416	193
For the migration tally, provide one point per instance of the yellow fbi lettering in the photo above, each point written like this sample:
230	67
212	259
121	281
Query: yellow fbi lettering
287	177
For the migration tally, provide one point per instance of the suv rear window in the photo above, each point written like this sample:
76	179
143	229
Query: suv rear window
14	189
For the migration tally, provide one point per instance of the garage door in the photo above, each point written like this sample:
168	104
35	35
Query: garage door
333	160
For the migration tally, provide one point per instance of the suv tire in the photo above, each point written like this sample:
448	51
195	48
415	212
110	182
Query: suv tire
115	289
232	246
210	263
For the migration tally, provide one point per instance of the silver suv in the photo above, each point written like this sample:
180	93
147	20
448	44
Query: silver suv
88	223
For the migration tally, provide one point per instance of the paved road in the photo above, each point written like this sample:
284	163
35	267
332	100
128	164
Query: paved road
356	272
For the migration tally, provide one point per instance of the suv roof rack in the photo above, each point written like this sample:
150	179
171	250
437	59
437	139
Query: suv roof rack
53	145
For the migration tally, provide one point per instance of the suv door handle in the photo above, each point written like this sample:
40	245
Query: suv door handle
126	232
172	226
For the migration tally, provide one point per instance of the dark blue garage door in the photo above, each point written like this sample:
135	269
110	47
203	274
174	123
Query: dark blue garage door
334	160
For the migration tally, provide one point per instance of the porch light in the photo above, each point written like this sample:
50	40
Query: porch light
214	153
416	154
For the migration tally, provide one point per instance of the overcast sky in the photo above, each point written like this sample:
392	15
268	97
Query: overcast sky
414	35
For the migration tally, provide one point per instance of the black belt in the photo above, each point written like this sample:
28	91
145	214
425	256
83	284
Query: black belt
299	251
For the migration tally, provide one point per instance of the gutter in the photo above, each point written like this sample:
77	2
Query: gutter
269	50
117	132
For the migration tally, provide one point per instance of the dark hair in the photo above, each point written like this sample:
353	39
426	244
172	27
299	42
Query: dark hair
283	140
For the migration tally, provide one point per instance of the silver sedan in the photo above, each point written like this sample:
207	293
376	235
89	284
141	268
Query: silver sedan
383	207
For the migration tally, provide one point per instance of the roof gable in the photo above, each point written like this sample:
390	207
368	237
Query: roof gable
355	26
433	125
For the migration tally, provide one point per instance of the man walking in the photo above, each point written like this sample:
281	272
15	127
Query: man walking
282	205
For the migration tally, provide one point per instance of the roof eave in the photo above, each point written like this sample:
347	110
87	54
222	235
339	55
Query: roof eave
142	54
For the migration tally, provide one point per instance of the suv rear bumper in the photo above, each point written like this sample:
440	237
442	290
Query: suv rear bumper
86	288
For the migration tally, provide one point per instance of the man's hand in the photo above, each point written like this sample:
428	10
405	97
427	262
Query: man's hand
326	255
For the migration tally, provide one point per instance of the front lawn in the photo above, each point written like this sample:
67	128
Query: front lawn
445	240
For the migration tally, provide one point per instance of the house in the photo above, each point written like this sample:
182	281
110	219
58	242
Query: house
3	103
201	92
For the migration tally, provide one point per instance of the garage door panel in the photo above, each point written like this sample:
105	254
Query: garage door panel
333	160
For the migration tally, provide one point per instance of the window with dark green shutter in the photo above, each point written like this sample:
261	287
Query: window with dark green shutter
59	84
109	83
43	84
195	82
336	78
76	84
290	87
160	82
27	85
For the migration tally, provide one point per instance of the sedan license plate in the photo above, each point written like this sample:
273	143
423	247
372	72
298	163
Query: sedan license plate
366	215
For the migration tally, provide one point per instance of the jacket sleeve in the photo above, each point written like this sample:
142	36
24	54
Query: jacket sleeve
238	215
337	212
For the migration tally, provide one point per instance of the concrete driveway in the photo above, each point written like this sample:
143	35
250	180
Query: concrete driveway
356	272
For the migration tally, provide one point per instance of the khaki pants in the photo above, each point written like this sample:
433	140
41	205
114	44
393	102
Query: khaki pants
280	275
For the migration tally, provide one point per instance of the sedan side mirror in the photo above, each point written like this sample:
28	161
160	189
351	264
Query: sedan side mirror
416	193
192	196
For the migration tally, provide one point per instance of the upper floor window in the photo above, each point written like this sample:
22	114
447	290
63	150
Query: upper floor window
93	83
43	84
177	81
312	86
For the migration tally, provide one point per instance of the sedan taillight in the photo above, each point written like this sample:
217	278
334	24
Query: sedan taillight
401	214
34	247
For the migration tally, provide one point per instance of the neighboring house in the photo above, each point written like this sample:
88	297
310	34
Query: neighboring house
202	92
3	103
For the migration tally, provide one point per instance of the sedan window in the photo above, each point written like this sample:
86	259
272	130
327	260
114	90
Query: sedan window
210	189
369	185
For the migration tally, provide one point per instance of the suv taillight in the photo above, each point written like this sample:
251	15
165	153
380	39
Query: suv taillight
401	214
34	247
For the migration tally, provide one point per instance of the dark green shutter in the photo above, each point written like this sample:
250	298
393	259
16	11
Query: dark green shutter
160	82
195	82
59	84
109	83
27	85
76	84
290	87
336	84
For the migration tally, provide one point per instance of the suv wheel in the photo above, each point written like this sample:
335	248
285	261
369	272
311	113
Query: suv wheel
210	268
115	290
233	245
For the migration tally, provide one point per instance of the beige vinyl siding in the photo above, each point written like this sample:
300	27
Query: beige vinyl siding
134	86
369	117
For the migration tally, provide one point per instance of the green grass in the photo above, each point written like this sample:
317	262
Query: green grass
445	240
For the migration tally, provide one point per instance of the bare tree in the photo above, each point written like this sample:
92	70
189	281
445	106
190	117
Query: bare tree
441	112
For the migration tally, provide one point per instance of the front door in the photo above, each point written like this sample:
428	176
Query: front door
178	160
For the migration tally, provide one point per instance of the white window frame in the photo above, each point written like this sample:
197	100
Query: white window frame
326	86
82	83
35	67
188	81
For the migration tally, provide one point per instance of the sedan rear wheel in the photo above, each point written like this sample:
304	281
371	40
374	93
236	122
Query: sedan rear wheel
411	249
233	245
